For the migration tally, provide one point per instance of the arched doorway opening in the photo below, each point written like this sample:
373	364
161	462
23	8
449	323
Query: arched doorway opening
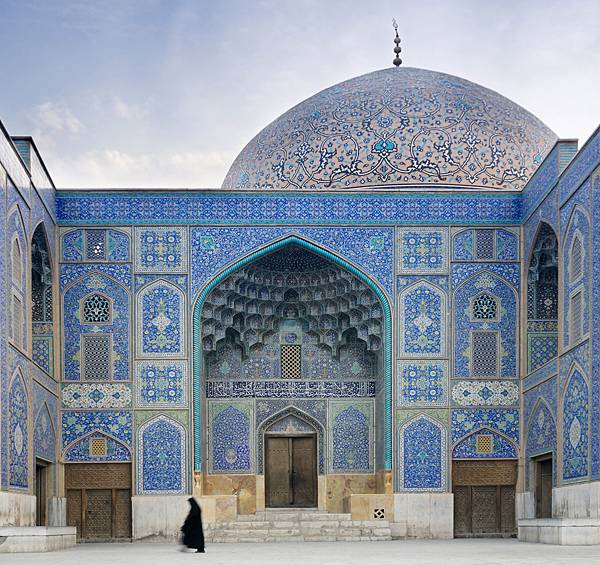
292	327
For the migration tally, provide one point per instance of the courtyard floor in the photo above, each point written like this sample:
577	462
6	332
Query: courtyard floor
463	552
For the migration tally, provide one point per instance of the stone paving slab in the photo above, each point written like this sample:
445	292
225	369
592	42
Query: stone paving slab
419	552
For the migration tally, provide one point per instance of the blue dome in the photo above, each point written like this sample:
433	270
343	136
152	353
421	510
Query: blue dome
396	128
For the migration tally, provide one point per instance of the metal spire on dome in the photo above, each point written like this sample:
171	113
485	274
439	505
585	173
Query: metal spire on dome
397	49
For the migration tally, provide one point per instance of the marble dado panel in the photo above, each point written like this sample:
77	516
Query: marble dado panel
485	393
161	249
423	383
290	389
96	395
372	249
422	251
161	384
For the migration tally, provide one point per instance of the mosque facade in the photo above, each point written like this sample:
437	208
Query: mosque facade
385	310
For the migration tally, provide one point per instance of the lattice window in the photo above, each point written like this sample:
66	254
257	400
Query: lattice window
378	513
97	358
484	444
291	361
95	245
17	267
98	447
576	268
484	354
17	321
96	310
485	307
576	316
484	244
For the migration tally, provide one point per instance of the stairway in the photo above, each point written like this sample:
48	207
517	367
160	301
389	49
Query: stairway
276	525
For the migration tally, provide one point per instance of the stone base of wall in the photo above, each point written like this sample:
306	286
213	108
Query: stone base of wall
17	509
577	501
423	516
36	539
161	517
560	531
370	506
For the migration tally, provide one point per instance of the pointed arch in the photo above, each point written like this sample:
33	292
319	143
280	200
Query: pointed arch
575	424
503	447
96	308
281	415
422	455
268	248
80	449
161	456
44	434
423	308
540	435
161	328
18	431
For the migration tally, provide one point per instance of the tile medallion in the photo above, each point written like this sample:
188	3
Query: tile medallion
96	395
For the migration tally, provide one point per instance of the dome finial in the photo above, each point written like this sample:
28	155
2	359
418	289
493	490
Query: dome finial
397	49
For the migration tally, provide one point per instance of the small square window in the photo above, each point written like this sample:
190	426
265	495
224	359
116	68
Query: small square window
485	444
98	447
291	361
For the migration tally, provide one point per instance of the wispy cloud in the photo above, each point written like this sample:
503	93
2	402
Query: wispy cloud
57	118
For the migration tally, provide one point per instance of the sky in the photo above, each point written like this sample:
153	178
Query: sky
165	94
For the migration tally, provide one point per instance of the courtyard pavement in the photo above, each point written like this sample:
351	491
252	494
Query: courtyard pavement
463	552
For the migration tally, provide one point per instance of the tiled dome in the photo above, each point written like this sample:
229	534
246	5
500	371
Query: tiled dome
396	128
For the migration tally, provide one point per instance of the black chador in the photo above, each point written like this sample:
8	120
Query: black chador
193	534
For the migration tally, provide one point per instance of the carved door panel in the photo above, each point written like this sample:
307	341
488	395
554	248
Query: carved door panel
462	510
74	509
485	511
122	513
304	471
278	470
507	512
98	516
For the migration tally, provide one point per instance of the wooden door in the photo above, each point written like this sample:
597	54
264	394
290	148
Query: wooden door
304	475
99	500
98	516
290	471
543	488
41	481
484	497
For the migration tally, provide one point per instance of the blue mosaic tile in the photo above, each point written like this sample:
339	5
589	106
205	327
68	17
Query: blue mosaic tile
503	421
78	423
18	433
575	418
422	455
501	448
422	251
81	451
351	437
161	384
230	437
423	383
162	460
161	249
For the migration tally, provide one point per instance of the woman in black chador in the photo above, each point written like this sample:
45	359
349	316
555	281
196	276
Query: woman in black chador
193	534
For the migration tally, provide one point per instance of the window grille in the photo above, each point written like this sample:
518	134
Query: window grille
96	310
17	268
97	362
291	361
484	354
576	317
484	244
98	447
17	321
576	270
484	444
485	307
95	246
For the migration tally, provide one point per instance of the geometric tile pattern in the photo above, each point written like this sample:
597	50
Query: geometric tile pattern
161	384
96	395
423	383
422	251
161	250
472	333
485	393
